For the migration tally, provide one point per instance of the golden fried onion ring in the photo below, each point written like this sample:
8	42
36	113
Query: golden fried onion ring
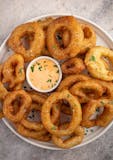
89	40
75	138
96	65
69	81
13	71
87	90
35	36
102	120
24	105
76	113
73	66
30	133
76	37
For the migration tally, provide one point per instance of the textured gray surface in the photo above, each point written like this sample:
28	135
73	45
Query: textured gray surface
14	12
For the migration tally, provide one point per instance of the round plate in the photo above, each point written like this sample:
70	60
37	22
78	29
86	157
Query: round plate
90	134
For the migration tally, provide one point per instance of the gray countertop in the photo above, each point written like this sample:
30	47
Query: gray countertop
14	12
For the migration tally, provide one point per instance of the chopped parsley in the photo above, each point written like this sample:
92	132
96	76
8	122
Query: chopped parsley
49	80
40	68
92	58
102	102
54	47
53	128
32	68
20	70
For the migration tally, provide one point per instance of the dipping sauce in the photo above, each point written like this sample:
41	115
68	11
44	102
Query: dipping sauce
44	74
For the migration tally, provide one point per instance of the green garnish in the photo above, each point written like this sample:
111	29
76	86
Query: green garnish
92	58
68	96
32	68
49	80
20	70
54	47
102	102
40	68
53	128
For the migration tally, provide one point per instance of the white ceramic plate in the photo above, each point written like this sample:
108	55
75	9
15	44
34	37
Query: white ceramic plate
91	134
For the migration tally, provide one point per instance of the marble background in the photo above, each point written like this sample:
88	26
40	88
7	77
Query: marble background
14	12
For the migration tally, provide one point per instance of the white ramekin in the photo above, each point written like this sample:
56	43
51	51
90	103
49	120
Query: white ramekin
28	70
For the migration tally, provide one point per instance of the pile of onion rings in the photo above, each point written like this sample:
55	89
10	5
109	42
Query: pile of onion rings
87	83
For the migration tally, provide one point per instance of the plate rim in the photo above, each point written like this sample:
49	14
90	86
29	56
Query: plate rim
41	145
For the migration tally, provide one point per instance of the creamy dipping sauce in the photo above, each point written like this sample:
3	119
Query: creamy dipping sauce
44	74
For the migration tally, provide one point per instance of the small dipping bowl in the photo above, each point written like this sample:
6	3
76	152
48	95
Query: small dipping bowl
36	70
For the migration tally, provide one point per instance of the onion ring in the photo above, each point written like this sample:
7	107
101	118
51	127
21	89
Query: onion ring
31	30
96	65
13	71
24	106
89	40
71	24
69	81
87	90
73	66
74	139
102	120
37	102
39	135
76	112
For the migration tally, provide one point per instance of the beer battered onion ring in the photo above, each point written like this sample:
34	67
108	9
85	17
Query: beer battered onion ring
102	120
96	65
76	113
13	71
24	105
73	66
87	90
69	81
89	40
30	133
74	139
37	102
31	30
76	37
108	89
